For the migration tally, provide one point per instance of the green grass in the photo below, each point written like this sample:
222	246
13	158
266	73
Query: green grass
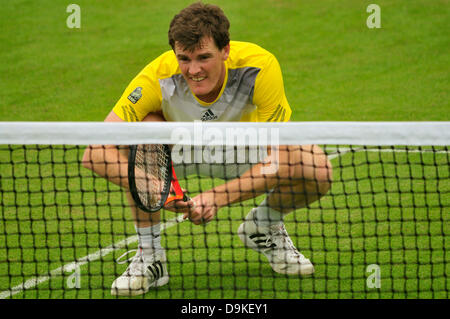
334	68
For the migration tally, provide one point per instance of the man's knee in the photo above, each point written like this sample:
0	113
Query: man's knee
324	177
312	167
154	117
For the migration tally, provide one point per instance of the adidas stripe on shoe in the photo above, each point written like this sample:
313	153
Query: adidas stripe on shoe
143	273
275	243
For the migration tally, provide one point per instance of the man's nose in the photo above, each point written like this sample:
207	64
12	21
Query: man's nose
194	68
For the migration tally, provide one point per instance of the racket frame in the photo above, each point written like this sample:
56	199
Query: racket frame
132	180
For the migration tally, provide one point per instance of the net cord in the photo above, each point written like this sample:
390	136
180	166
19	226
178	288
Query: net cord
227	133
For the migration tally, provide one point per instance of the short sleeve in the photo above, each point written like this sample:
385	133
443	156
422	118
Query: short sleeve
142	96
269	95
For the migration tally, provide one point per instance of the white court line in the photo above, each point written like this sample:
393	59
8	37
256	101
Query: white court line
30	283
105	251
344	150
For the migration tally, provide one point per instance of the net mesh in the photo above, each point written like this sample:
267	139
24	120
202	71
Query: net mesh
380	231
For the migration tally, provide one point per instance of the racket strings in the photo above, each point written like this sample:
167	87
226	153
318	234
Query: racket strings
151	173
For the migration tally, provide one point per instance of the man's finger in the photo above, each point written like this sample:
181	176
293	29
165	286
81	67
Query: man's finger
190	213
179	204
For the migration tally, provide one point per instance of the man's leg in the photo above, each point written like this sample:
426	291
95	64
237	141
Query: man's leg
148	267
305	176
309	178
147	225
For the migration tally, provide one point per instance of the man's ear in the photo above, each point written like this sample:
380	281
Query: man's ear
226	51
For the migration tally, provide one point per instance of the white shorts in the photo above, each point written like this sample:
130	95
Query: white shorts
221	162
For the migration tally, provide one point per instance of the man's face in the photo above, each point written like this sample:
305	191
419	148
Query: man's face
203	69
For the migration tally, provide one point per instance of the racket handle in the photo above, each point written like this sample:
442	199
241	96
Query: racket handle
183	197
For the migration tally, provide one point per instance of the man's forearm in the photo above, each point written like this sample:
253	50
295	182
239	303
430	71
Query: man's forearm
258	180
240	189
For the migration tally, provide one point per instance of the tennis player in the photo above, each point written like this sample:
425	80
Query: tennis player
210	78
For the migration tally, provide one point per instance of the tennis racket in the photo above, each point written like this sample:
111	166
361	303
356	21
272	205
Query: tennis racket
152	178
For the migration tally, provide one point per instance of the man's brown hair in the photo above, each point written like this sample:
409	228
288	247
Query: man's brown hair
197	21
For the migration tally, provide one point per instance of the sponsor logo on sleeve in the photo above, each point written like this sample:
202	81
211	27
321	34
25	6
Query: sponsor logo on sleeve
135	95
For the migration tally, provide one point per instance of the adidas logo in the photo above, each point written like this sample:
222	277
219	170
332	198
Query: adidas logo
262	241
208	115
156	269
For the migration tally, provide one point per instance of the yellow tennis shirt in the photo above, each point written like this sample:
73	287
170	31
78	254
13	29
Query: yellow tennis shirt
253	92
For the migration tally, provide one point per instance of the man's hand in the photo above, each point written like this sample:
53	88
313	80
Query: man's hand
204	209
180	206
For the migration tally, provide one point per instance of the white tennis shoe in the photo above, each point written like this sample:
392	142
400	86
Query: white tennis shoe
143	273
275	243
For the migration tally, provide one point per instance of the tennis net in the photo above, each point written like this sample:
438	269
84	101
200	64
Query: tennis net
371	215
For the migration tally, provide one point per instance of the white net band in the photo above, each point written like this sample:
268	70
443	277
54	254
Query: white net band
227	133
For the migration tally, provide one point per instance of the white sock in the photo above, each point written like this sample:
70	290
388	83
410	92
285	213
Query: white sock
266	216
149	238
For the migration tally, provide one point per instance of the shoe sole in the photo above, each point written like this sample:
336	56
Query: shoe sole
136	292
305	270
